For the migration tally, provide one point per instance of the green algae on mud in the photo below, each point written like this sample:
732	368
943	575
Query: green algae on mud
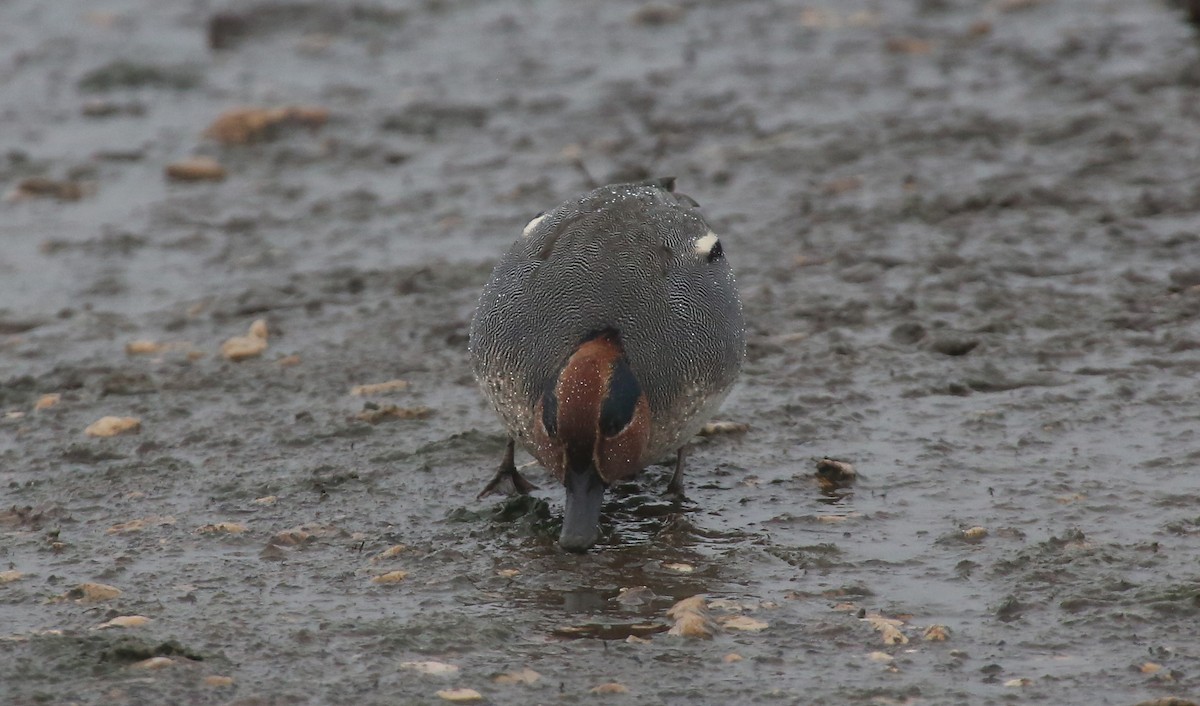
129	75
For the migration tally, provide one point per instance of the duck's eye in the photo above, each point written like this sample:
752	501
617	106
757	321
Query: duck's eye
709	247
533	224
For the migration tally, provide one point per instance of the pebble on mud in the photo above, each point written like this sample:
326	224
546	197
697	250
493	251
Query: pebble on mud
112	426
47	401
195	169
153	663
144	347
389	553
731	658
139	524
818	18
216	681
240	126
460	695
892	635
124	621
508	573
430	667
611	687
92	593
266	500
520	676
41	187
714	428
130	526
888	628
10	576
692	619
679	567
390	577
391	411
743	623
222	528
833	474
974	534
1150	668
1021	681
379	388
293	537
252	345
881	657
936	633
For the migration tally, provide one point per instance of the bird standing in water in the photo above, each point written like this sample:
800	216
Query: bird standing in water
608	334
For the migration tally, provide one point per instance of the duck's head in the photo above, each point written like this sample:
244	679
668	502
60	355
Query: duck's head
591	428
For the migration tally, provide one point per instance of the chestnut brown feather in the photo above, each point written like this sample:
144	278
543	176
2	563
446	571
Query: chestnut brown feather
595	415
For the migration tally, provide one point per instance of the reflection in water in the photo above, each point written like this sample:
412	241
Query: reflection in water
664	548
584	601
829	496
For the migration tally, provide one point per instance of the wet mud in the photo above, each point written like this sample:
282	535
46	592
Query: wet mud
967	237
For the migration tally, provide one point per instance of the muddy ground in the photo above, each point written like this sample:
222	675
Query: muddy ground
967	236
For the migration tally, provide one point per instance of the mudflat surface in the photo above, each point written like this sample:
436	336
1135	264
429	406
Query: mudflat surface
967	237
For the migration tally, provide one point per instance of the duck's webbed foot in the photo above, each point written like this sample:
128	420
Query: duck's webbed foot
508	480
675	487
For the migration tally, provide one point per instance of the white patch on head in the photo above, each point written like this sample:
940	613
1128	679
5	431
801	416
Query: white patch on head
531	225
704	244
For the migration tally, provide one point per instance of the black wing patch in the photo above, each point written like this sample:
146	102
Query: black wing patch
550	411
621	402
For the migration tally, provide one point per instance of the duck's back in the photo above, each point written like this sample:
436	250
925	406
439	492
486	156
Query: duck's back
632	259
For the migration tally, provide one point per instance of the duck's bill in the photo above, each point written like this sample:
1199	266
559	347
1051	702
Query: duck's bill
581	521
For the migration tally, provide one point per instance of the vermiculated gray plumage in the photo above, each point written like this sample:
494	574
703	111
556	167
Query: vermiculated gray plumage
622	258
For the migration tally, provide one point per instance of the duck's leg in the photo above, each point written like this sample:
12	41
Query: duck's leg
675	487
507	479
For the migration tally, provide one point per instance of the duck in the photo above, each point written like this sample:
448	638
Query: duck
608	334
